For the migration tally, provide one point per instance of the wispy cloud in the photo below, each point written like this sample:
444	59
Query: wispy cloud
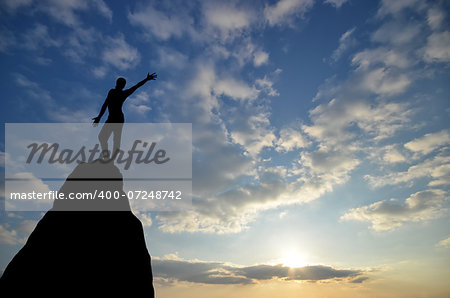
438	47
429	142
139	104
336	3
388	7
39	38
7	40
33	89
161	24
44	99
120	54
436	169
13	5
283	11
391	214
444	243
346	41
66	11
435	17
228	19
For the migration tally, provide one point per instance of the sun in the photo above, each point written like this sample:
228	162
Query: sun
294	259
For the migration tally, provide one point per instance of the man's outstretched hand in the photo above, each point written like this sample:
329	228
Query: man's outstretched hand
96	121
152	76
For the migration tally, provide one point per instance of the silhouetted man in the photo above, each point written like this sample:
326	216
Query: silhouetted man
114	101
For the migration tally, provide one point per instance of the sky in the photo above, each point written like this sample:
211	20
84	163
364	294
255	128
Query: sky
320	130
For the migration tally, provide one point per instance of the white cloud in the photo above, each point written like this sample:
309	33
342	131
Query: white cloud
396	33
209	85
9	237
103	9
120	54
387	155
394	7
266	85
66	11
139	103
235	89
247	52
82	43
381	56
438	47
437	169
33	89
345	42
336	3
99	72
12	5
260	58
435	17
38	37
392	155
163	25
429	142
140	98
68	115
200	87
145	219
282	12
227	18
444	243
171	58
291	139
334	123
254	134
25	227
388	215
384	81
327	168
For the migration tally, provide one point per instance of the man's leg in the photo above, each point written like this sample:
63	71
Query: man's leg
117	128
103	137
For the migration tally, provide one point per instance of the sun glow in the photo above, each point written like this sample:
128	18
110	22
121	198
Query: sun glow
294	259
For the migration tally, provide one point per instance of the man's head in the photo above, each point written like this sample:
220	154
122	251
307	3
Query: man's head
120	83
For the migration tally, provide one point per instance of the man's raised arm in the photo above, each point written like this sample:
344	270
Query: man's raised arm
148	78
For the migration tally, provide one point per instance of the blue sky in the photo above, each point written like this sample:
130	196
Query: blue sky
320	130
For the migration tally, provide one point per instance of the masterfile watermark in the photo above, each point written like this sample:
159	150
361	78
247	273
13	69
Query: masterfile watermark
68	156
144	163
